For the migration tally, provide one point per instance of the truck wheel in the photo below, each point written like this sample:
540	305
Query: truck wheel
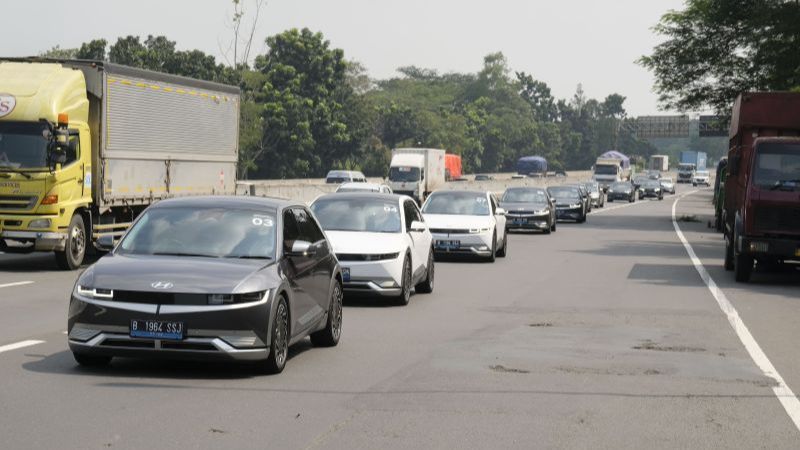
75	247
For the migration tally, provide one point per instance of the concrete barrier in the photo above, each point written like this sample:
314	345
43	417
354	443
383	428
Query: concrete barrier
307	190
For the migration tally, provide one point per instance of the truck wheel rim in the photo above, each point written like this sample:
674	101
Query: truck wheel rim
78	243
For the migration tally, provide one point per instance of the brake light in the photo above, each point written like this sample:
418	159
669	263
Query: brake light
50	200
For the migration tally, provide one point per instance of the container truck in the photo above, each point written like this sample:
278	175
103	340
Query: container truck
762	186
609	169
417	172
659	163
452	164
689	163
86	146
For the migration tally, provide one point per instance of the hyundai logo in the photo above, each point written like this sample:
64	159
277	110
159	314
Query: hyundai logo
162	285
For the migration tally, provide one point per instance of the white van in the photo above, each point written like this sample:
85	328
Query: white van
345	176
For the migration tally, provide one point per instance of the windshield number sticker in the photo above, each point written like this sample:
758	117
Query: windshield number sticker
262	221
390	208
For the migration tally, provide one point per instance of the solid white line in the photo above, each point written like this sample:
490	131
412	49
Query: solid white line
19	345
785	395
19	283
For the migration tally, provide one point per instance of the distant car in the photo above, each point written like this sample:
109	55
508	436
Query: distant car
584	193
529	208
621	190
668	185
638	181
561	173
650	189
654	175
345	176
596	194
466	223
381	242
364	187
210	278
482	177
569	203
701	177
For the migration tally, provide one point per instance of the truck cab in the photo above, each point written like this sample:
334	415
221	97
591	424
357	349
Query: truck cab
416	172
608	172
686	172
45	160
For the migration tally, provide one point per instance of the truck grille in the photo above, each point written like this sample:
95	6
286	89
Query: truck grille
784	220
10	202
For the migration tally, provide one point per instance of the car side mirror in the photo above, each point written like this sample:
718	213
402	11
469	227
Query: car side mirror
302	248
105	243
500	212
417	227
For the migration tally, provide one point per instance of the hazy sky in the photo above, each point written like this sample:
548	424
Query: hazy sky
562	42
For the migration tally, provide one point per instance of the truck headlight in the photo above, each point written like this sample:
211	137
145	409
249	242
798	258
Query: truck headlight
39	223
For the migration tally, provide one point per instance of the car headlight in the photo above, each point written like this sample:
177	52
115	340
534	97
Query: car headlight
88	292
541	213
39	223
381	257
229	299
576	205
478	230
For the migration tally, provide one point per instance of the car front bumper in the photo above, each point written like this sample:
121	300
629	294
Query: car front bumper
470	244
237	332
382	278
527	222
569	213
619	195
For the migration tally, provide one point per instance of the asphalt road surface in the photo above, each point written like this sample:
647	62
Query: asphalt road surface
602	335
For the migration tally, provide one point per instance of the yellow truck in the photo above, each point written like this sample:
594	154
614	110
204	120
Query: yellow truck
85	146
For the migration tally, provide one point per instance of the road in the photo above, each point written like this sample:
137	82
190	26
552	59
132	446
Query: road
602	335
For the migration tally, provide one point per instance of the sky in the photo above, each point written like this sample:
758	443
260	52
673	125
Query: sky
560	42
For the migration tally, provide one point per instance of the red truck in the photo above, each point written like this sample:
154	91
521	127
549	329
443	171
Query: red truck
452	166
762	189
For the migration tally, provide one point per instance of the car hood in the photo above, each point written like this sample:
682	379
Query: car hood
358	242
445	221
191	275
514	207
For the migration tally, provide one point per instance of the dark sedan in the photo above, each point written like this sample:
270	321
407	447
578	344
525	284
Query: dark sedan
529	208
651	189
569	203
210	278
621	190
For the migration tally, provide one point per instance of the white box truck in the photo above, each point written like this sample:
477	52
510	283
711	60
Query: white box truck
417	172
659	163
608	171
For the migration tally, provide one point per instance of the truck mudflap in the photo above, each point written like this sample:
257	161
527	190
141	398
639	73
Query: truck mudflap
768	247
42	241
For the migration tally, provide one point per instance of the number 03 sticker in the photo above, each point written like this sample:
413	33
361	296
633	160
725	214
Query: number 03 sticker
261	221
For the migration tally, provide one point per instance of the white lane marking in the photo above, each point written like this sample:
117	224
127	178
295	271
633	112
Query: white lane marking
18	283
19	345
785	395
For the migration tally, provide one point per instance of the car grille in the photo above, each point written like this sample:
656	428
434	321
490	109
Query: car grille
778	219
10	202
447	231
160	298
521	213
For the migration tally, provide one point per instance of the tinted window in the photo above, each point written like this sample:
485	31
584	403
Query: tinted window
22	145
524	196
458	203
212	232
777	166
358	214
309	231
404	174
567	193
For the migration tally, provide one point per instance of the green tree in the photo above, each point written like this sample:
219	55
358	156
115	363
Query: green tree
59	53
716	49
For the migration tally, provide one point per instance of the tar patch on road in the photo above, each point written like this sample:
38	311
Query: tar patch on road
650	345
503	369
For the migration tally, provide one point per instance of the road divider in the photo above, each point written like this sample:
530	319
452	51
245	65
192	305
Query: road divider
781	390
19	345
18	283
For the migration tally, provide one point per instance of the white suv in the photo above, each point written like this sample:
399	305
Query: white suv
701	177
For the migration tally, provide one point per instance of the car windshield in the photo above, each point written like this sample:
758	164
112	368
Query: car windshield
778	166
358	214
564	193
621	186
336	180
404	174
208	232
652	184
524	196
606	169
666	180
457	204
355	189
23	145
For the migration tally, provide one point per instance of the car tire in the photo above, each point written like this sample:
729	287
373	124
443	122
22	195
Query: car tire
553	226
491	258
405	286
503	250
91	360
329	336
75	246
426	286
279	341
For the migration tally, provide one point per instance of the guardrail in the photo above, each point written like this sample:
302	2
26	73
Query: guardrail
306	190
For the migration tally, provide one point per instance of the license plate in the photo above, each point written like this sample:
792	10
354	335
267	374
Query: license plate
519	221
448	245
345	274
157	329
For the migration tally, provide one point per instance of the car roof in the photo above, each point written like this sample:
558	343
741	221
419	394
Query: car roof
226	201
459	191
362	186
359	195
